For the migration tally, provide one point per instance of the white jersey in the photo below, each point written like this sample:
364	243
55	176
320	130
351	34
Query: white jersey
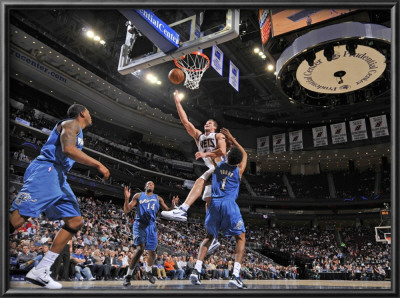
207	144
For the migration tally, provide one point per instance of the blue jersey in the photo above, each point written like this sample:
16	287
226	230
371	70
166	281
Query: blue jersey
52	150
225	181
147	208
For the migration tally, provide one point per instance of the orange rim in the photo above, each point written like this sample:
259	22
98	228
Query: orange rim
194	70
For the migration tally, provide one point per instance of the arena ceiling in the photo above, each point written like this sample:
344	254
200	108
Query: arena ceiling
259	106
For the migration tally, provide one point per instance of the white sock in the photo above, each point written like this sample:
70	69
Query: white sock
130	272
185	206
198	265
148	268
47	260
236	269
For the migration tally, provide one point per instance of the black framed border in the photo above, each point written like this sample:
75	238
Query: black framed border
6	5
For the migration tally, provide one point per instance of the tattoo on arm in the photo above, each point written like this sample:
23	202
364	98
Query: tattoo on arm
69	132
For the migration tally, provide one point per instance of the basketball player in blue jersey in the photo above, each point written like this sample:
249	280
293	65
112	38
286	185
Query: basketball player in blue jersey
46	188
211	148
144	226
223	212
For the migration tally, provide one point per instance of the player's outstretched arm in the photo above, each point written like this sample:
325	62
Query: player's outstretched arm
164	206
128	206
243	163
70	130
192	131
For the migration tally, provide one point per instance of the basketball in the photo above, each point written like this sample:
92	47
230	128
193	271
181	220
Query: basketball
176	76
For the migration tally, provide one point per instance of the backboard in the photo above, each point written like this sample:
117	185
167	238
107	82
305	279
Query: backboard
191	40
382	233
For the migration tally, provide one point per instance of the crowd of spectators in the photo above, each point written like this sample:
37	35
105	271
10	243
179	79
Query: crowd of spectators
267	184
103	247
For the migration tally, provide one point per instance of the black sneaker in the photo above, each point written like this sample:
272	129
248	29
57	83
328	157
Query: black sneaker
195	277
150	277
236	281
127	280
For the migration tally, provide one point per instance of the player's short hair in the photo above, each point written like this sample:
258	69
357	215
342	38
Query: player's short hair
235	156
214	121
75	110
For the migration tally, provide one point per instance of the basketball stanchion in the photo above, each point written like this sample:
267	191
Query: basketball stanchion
194	66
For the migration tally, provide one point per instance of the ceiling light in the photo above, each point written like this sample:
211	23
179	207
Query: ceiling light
102	42
270	67
90	34
97	38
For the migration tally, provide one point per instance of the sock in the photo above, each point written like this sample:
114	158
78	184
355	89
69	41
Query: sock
185	206
47	260
236	269
198	265
130	272
148	268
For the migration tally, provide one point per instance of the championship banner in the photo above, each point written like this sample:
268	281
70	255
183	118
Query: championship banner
320	136
379	127
338	132
234	76
263	146
358	130
217	59
296	140
264	20
279	143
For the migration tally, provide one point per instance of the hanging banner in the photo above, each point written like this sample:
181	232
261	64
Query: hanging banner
234	76
358	130
320	136
217	59
264	20
296	140
379	127
338	132
279	143
263	146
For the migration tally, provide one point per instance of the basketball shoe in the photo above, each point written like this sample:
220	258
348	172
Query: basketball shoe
214	246
150	277
195	277
177	214
237	282
127	280
41	277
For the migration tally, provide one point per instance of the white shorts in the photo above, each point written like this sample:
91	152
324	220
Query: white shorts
206	192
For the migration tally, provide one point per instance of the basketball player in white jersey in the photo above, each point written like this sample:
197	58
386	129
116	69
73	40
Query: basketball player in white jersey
212	148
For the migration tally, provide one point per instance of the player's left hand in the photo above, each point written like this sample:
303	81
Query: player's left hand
200	155
127	192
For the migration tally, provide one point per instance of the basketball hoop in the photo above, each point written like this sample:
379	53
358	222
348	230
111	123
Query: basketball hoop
194	66
388	240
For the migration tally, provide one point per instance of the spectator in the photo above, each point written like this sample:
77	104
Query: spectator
81	270
27	259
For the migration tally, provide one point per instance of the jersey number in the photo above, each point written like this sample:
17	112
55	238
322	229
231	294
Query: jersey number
223	183
152	206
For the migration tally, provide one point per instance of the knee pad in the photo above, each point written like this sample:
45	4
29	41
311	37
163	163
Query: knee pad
69	229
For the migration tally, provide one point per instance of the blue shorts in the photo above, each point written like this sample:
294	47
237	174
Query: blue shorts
46	190
224	214
145	233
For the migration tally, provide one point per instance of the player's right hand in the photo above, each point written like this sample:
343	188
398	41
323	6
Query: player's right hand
227	133
104	171
127	192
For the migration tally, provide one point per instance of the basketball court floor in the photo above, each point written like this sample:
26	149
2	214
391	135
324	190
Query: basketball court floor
215	285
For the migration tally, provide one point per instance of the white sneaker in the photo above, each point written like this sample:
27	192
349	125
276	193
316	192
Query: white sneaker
214	246
92	278
236	281
177	214
195	277
41	277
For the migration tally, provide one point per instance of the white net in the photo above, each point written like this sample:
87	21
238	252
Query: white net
194	66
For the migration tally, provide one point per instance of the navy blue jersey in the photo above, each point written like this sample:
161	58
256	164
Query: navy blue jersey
225	181
52	150
147	208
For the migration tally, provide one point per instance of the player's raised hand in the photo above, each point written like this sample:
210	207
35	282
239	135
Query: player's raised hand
227	133
127	192
104	171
